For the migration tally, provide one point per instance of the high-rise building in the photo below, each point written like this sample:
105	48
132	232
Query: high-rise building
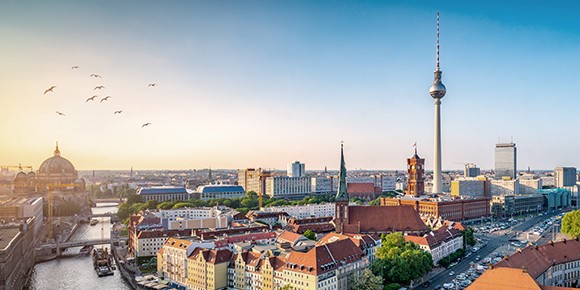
296	169
505	160
437	91
564	176
415	179
471	170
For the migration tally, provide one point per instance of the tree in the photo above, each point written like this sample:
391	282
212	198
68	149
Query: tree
468	238
310	234
571	224
399	261
365	281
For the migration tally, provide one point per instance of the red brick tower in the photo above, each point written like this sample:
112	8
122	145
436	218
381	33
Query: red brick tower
415	179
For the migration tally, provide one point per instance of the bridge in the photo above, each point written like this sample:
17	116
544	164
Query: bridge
61	246
96	215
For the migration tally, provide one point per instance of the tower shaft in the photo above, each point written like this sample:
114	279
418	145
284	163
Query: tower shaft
437	180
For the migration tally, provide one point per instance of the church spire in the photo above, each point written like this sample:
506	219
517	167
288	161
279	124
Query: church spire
56	151
342	194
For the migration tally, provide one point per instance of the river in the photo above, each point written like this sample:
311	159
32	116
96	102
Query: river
74	271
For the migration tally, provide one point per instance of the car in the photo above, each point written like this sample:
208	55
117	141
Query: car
438	287
426	284
451	273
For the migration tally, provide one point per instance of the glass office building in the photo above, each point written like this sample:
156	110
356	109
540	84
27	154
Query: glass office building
505	160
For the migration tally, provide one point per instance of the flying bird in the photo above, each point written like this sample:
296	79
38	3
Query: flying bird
151	85
99	87
91	98
62	114
118	112
105	98
74	67
146	124
96	76
49	90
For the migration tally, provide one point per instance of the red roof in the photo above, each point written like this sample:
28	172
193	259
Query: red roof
324	258
380	219
354	188
538	259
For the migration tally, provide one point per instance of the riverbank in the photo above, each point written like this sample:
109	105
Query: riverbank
122	265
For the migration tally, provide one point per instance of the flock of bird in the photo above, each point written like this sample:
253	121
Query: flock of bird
100	87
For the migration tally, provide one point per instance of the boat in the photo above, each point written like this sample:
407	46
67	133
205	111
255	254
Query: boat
102	262
86	249
94	222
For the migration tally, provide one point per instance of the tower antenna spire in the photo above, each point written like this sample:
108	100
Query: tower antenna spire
437	50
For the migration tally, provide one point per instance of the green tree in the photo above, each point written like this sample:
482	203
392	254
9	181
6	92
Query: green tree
365	281
399	261
468	238
310	234
166	205
571	224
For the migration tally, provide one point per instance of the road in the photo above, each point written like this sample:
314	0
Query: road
494	241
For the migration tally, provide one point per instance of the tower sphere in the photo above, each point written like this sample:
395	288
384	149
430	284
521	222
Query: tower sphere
437	90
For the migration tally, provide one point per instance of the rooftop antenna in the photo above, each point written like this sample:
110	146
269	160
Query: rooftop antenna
437	50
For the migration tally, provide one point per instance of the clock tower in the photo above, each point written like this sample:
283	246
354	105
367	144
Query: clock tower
415	179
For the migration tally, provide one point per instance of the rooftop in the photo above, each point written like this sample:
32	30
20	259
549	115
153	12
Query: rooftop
7	235
161	190
538	259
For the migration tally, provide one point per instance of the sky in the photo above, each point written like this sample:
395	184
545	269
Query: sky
264	83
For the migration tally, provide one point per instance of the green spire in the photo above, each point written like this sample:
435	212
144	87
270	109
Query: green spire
342	194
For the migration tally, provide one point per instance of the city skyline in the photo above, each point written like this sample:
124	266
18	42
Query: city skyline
248	84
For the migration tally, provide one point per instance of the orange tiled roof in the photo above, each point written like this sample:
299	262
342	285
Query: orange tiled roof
177	243
373	219
287	236
504	279
538	259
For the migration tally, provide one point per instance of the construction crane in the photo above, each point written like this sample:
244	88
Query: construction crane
51	187
20	167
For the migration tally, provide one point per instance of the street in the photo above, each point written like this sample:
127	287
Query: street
494	241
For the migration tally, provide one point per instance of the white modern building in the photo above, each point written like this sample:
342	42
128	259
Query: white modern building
288	187
321	185
304	211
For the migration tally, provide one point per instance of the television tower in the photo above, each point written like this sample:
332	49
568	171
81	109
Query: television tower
437	91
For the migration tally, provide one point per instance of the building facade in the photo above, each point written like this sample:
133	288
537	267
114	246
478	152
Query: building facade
17	242
530	185
471	187
471	170
505	187
564	176
288	187
214	191
296	169
163	194
304	211
439	243
507	205
322	185
505	161
447	209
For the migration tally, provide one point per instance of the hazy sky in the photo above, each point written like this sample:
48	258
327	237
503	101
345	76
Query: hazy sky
264	83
